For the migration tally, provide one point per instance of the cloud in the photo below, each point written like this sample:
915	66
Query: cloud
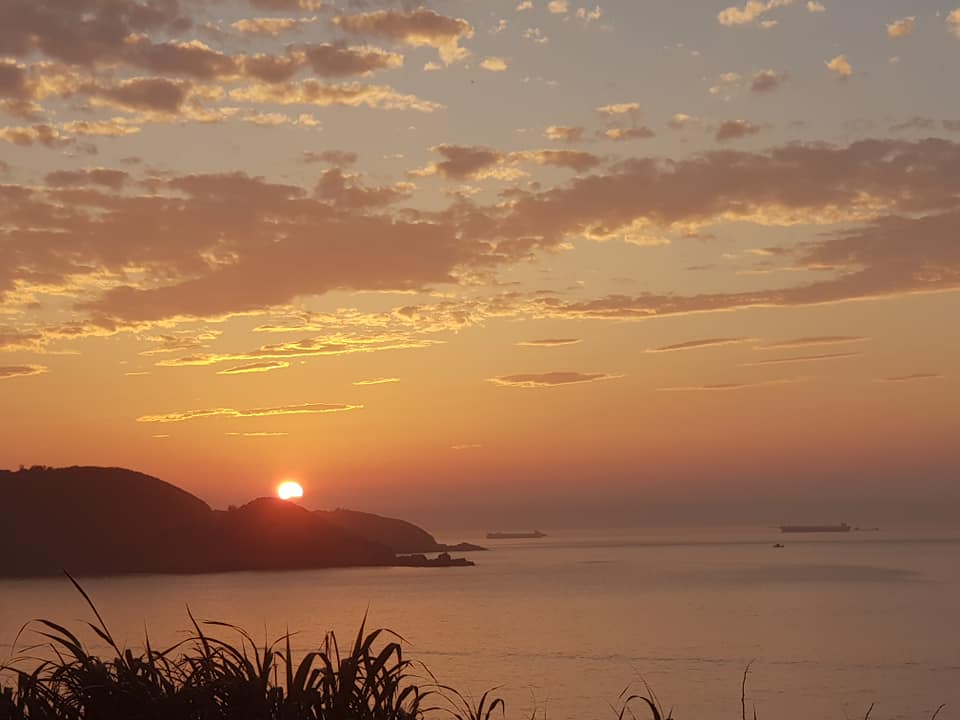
803	359
312	92
751	13
815	7
465	162
524	5
953	22
727	387
728	84
766	81
565	133
347	192
589	16
302	409
329	60
736	129
840	66
418	28
535	35
462	162
332	157
619	108
551	379
901	28
633	133
571	159
310	347
679	121
269	25
494	64
549	342
912	377
812	340
8	372
257	434
259	367
230	243
112	179
558	7
281	5
698	344
796	183
377	381
466	446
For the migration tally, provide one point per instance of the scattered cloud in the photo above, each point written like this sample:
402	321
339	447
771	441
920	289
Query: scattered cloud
462	162
558	7
736	129
698	344
840	66
259	367
912	377
811	340
727	387
302	409
331	157
312	92
466	446
589	16
269	25
257	434
494	64
901	28
565	133
535	35
803	359
751	13
632	133
377	381
766	81
8	372
551	379
727	85
815	7
679	121
953	22
619	108
418	28
549	342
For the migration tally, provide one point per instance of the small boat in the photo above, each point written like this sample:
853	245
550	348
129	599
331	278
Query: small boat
778	545
536	534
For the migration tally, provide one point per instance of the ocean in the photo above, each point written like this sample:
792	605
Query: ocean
563	625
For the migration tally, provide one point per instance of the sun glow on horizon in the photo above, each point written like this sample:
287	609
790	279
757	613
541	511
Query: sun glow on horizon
289	490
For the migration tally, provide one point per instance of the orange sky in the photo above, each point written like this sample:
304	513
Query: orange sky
548	262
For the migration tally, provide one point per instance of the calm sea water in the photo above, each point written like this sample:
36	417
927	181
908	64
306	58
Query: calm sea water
564	624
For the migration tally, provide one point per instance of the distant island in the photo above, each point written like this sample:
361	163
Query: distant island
111	521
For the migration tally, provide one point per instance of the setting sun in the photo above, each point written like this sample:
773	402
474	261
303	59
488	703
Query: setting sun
288	490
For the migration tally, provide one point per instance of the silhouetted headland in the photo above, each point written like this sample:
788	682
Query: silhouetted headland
107	521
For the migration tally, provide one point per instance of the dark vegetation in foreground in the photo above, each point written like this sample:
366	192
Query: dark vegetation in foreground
207	678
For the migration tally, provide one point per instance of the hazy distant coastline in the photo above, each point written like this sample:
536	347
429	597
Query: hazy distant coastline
106	521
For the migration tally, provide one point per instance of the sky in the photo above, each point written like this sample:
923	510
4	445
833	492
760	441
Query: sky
489	264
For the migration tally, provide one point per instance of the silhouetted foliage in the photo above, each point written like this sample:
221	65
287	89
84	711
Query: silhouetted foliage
208	678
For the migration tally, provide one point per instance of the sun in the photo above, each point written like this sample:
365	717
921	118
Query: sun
288	490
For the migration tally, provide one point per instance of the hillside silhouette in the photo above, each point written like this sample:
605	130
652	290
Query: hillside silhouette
102	521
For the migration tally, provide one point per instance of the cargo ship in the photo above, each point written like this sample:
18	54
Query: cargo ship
841	528
515	535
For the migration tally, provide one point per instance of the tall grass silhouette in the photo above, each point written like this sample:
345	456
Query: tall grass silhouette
205	677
